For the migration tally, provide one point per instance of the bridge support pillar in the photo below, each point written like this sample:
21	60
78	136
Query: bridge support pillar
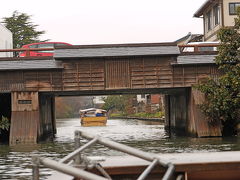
184	117
176	113
32	117
47	117
198	123
25	117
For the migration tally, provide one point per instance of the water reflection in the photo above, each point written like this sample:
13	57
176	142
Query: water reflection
15	161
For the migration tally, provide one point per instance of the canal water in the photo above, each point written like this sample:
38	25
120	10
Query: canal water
15	161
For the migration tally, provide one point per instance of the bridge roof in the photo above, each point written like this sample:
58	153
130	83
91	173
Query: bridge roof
29	65
118	50
195	59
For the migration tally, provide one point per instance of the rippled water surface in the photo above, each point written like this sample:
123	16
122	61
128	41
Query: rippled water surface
15	161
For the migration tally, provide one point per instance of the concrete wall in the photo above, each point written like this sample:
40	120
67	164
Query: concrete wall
6	41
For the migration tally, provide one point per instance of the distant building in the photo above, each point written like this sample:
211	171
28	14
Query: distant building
98	101
141	98
6	41
150	103
216	14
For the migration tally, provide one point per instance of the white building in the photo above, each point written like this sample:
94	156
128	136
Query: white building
142	98
6	41
98	100
217	14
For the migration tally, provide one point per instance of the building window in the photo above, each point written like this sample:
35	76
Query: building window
233	8
216	14
209	21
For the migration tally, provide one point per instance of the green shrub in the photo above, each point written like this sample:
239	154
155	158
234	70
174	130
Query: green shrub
4	124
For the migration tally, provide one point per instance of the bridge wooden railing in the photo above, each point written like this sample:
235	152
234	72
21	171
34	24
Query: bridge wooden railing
211	47
189	48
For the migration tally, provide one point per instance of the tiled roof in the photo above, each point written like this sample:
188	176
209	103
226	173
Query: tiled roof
29	65
104	51
195	59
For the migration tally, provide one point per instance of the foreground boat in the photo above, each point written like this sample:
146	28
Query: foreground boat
93	117
187	166
141	165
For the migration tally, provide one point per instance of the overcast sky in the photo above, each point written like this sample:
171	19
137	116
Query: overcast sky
109	21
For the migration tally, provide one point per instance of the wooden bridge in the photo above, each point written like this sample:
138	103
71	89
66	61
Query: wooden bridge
28	85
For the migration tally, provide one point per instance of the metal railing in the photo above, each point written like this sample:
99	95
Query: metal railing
77	157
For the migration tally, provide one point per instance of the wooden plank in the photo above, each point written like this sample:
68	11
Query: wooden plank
151	82
24	127
196	166
25	101
139	70
117	74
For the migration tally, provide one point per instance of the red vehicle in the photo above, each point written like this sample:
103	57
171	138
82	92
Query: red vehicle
41	45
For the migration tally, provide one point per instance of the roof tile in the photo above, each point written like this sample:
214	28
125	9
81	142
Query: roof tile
116	51
29	65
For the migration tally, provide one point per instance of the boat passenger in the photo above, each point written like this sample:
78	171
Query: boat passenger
98	113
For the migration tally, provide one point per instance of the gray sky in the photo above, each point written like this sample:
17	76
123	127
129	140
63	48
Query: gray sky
110	21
